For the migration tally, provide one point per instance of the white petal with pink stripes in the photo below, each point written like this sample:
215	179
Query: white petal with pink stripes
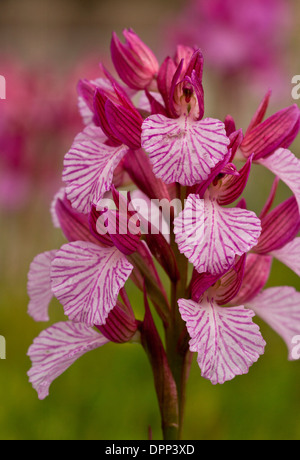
284	164
289	255
280	308
211	236
182	150
89	167
87	278
39	286
226	339
56	348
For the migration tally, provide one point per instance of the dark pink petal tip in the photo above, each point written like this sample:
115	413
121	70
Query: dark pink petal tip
277	131
279	227
134	61
125	124
120	325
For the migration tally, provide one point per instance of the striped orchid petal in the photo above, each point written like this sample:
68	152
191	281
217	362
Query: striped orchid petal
280	308
121	324
124	231
284	164
56	348
279	130
230	125
290	255
230	282
125	123
226	339
74	225
222	288
211	236
182	150
86	90
201	284
87	279
256	274
59	195
89	167
232	186
39	286
260	112
279	227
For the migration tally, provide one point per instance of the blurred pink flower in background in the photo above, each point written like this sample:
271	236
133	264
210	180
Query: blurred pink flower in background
38	119
246	40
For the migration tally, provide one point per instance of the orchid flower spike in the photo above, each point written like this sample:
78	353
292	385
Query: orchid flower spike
152	190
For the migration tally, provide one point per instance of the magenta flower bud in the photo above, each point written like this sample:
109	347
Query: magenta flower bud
135	63
277	131
120	325
164	80
279	227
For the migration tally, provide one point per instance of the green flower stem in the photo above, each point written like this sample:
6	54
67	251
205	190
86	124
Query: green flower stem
177	350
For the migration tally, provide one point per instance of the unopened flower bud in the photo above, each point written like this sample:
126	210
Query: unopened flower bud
134	61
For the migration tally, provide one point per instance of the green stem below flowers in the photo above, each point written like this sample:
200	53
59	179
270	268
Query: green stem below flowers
179	357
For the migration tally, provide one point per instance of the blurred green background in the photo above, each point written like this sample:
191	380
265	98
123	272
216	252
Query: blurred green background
109	393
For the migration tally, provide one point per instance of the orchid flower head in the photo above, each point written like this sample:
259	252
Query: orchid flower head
151	190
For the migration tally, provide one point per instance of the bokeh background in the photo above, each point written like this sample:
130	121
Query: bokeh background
46	46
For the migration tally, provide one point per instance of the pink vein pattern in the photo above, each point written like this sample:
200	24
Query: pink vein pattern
226	339
39	286
211	236
280	308
56	348
284	164
289	255
182	150
87	279
89	167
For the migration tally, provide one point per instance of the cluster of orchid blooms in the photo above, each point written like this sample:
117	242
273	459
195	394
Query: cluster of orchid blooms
147	134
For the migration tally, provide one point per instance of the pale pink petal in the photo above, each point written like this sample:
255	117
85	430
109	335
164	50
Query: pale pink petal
182	150
290	255
56	348
89	167
85	112
87	279
74	225
226	339
280	308
284	164
144	104
211	236
58	196
39	286
85	103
